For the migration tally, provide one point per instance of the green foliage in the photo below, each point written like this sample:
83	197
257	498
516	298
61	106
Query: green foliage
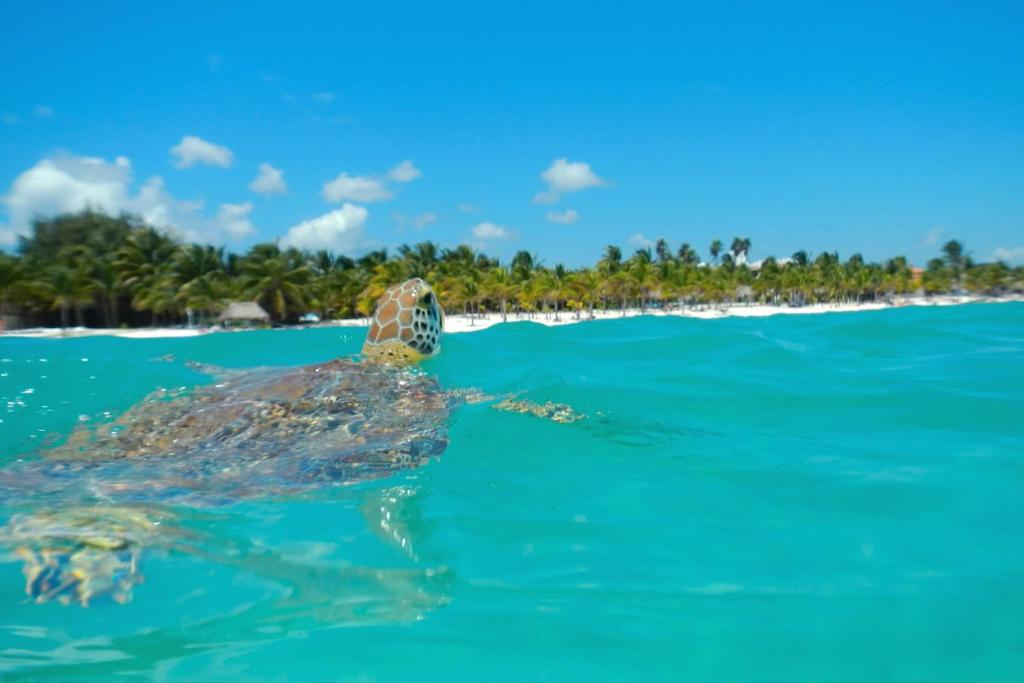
92	269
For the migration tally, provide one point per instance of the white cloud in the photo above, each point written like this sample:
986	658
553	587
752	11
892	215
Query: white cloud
9	119
359	188
233	219
638	240
185	218
269	181
565	218
570	176
340	230
467	208
565	176
424	219
43	111
356	188
932	237
68	183
1009	254
324	97
404	172
490	231
8	238
158	207
193	150
418	222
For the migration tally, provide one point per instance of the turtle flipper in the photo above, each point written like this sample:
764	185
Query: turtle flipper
393	516
196	366
549	410
509	403
76	575
215	371
74	555
471	396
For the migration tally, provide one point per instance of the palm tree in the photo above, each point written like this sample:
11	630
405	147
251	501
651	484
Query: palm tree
498	286
687	255
341	290
142	263
662	250
643	276
618	286
716	249
529	294
937	277
611	261
158	294
205	294
523	264
107	285
470	293
954	253
12	283
66	288
897	275
643	254
557	286
74	268
421	259
275	280
740	248
718	285
196	261
459	260
197	273
383	276
323	261
767	285
585	286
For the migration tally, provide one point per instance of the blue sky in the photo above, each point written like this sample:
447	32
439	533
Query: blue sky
883	128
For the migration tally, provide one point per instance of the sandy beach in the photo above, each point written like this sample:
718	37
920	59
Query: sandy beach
460	323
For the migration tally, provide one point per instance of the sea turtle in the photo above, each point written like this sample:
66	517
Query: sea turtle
249	433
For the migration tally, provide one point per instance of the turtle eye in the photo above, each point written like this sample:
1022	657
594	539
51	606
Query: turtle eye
427	300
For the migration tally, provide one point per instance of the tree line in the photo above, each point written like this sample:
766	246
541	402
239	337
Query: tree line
91	269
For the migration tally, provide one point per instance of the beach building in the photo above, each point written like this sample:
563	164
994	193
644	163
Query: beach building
243	312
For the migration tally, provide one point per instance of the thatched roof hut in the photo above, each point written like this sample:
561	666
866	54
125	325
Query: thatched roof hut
244	311
744	293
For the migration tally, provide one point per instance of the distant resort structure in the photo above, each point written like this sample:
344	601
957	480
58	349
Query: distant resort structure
243	312
88	269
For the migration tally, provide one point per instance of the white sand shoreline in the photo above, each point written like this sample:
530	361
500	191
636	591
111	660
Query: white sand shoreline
459	323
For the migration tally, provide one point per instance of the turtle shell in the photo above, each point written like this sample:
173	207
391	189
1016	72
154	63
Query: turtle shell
251	433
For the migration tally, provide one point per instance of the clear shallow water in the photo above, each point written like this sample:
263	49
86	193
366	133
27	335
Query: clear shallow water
831	497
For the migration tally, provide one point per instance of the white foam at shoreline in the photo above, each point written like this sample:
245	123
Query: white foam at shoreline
459	323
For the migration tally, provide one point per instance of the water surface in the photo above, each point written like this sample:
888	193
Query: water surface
828	497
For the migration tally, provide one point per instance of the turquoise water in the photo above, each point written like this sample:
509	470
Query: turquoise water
829	497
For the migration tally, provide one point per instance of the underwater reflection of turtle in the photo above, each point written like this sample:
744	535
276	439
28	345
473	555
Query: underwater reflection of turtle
250	433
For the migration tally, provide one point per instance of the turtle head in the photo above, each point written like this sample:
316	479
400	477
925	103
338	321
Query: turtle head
406	326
